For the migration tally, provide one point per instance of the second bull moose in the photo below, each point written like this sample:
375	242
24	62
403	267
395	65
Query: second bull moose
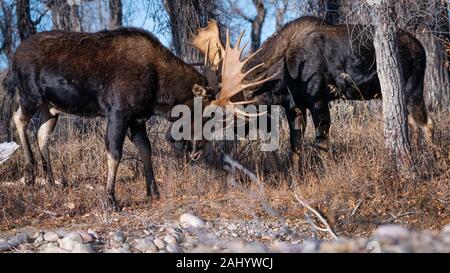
124	75
314	63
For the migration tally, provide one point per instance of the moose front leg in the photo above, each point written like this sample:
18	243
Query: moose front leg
297	125
139	137
116	130
46	126
320	113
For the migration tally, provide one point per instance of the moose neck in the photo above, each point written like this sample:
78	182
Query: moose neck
176	80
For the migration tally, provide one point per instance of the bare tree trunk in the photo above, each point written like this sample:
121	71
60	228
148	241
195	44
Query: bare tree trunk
281	12
437	81
433	33
332	15
257	24
7	98
115	14
6	28
185	17
65	14
391	81
25	25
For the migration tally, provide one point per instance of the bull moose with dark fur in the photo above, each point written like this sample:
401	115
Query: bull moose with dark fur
124	75
312	63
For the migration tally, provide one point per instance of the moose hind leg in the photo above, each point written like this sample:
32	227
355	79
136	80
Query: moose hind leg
46	126
116	130
418	118
297	125
320	113
21	119
138	135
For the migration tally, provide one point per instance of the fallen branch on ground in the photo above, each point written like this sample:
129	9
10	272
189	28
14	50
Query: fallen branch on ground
324	222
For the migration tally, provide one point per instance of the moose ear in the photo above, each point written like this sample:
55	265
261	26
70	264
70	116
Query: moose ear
199	91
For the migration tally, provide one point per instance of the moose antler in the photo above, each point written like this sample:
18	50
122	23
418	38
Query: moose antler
232	76
211	72
208	41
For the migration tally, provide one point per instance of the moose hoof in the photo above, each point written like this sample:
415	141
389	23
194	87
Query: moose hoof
29	180
112	203
153	196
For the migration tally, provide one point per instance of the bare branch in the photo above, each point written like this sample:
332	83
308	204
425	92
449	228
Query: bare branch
317	214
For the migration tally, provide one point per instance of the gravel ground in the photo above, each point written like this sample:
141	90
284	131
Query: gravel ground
192	234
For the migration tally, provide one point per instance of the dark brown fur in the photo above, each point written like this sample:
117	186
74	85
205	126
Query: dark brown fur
125	75
318	63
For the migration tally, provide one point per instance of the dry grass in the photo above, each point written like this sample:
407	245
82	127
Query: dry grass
355	190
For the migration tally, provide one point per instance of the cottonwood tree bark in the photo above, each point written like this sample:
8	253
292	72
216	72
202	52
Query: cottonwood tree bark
433	32
280	14
65	14
257	22
25	25
185	18
392	85
6	47
25	28
7	31
332	15
115	14
437	81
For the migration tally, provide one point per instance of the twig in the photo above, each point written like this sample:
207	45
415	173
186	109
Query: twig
356	208
327	226
395	217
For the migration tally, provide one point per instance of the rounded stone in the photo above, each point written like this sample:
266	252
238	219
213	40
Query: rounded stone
51	236
232	227
192	220
21	238
170	239
70	241
161	244
119	236
146	244
391	232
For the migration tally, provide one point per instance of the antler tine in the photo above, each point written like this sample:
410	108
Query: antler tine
253	69
250	57
206	61
233	77
249	115
209	36
238	43
244	86
227	42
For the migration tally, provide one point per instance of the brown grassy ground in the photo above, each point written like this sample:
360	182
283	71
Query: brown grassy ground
355	189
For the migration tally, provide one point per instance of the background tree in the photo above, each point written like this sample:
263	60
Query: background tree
115	14
25	25
7	30
65	14
280	13
391	81
256	22
185	18
429	21
7	49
